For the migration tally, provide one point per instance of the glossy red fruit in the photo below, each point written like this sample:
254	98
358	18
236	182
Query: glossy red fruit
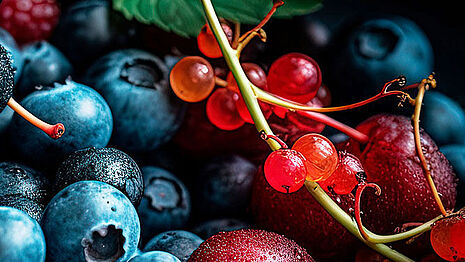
29	20
244	111
207	43
321	157
299	216
192	79
285	170
221	110
254	73
249	245
448	237
390	160
294	76
323	95
344	179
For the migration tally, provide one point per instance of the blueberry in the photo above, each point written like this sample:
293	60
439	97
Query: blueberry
456	154
223	187
90	221
23	188
7	41
178	242
443	119
21	237
135	83
7	76
43	65
165	205
90	28
209	228
84	113
5	118
368	53
108	165
155	256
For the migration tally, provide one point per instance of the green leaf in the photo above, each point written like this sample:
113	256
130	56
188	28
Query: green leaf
186	17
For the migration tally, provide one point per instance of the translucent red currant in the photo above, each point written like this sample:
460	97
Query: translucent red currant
207	43
192	79
448	237
244	111
254	73
294	76
344	179
321	157
221	110
285	170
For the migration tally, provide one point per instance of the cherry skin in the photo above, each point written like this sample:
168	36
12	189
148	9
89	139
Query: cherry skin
192	79
285	170
344	178
294	76
221	110
207	43
320	156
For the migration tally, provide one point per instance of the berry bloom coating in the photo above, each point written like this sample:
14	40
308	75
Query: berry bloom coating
249	245
254	73
320	156
448	237
207	43
222	111
294	76
192	79
285	170
344	179
29	20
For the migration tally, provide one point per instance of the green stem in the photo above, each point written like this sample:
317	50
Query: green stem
261	124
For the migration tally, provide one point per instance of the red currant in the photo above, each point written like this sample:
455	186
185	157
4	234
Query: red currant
448	237
207	43
321	157
304	123
192	79
244	111
29	20
221	110
254	73
323	95
344	179
294	76
285	170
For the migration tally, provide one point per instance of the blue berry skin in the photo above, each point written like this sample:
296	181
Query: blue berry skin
372	52
90	221
6	77
43	65
5	118
155	256
7	41
223	187
443	119
180	243
88	29
456	154
211	227
108	165
165	204
21	237
23	188
135	84
84	113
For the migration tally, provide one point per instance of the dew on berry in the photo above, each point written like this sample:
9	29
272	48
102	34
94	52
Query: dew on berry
254	73
221	110
285	170
321	157
207	43
192	79
294	76
344	179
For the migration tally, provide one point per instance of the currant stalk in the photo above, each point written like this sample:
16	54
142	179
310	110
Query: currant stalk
250	98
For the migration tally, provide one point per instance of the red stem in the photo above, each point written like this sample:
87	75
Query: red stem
358	196
264	21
